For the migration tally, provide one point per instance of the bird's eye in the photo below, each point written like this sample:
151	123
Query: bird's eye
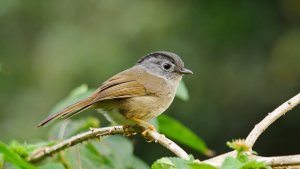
166	66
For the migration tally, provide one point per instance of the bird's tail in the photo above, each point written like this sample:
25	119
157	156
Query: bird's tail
68	111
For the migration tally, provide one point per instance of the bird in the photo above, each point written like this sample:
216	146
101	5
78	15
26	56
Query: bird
135	95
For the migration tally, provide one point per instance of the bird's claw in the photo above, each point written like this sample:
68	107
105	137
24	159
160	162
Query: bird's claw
129	131
145	134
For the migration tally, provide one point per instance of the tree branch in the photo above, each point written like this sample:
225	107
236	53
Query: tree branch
169	144
289	160
279	161
258	130
42	153
271	118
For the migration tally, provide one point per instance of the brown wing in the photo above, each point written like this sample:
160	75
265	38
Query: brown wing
120	86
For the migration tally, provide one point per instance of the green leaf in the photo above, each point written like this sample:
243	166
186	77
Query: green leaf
171	163
76	95
201	166
110	152
24	149
20	149
139	164
178	163
231	163
52	166
172	127
239	145
118	150
255	165
182	91
14	158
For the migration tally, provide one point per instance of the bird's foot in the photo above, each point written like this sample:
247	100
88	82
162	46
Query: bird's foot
145	133
146	128
129	130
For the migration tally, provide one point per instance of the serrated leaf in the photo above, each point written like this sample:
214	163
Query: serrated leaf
239	145
20	149
171	127
182	91
171	163
255	165
201	166
14	158
24	149
231	163
178	163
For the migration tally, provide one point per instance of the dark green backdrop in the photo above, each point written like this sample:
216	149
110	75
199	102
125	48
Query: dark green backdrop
245	57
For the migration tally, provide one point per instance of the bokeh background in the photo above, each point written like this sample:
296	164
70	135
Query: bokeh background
245	56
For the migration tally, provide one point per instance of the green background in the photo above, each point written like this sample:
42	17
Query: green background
245	57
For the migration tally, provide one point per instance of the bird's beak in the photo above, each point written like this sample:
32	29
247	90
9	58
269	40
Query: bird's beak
185	71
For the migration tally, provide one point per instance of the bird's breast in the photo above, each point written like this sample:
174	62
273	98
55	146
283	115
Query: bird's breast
149	106
160	93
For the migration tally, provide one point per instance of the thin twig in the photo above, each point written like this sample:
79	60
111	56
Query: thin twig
42	153
169	144
280	160
271	118
289	160
258	130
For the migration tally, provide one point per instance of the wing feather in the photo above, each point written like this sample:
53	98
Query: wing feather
123	85
119	86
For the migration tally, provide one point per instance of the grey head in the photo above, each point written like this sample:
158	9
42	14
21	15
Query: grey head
164	64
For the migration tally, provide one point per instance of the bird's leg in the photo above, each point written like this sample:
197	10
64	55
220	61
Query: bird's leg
148	126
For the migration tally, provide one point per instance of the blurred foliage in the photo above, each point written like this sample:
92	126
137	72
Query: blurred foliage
14	158
244	55
115	152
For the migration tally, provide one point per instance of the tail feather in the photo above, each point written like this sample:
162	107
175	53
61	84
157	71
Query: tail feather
68	111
